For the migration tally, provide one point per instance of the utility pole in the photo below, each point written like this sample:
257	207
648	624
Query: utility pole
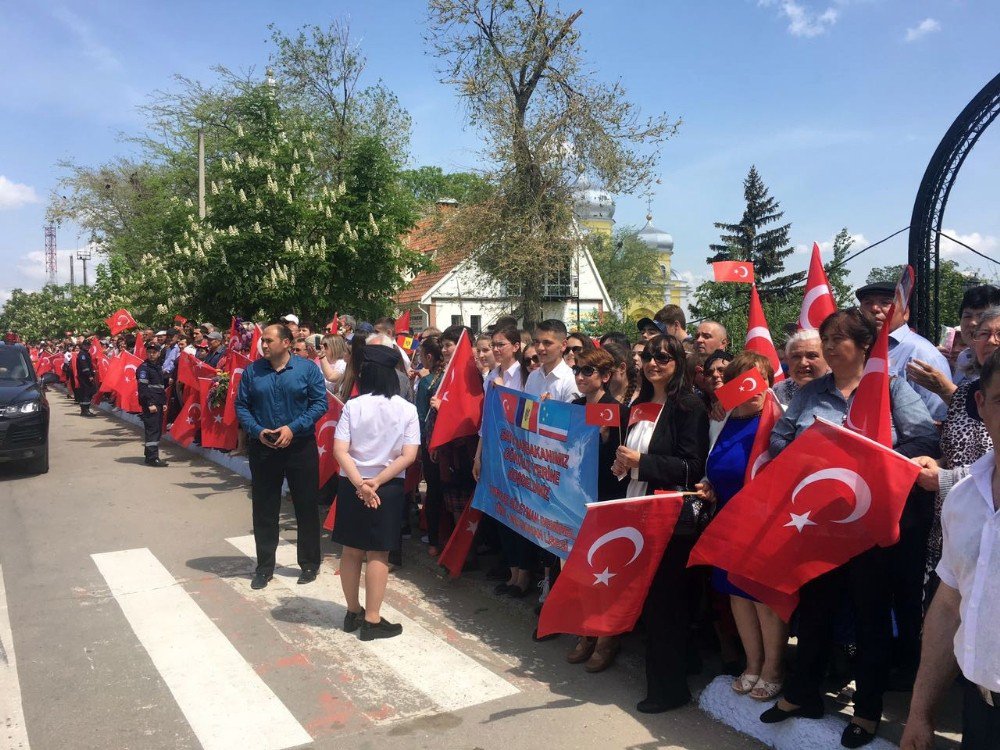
201	173
84	254
51	260
71	264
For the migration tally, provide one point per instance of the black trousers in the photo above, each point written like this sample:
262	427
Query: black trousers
434	500
518	552
666	615
980	721
865	579
299	464
907	568
152	427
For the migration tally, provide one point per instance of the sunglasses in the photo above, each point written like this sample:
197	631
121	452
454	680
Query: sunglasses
574	349
534	359
661	358
588	371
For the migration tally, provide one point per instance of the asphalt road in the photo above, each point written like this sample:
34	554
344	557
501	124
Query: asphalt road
127	621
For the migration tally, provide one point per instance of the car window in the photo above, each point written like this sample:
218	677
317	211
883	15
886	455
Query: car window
14	364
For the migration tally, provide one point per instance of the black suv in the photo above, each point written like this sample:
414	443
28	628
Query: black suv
24	411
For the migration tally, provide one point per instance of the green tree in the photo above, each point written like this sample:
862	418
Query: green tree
753	239
546	119
431	184
837	272
627	265
52	311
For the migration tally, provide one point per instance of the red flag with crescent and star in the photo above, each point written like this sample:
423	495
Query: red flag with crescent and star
604	581
461	394
760	454
870	413
403	323
119	321
759	335
255	352
829	496
215	433
818	301
128	386
644	412
741	389
603	415
187	423
325	428
237	363
733	270
456	551
139	349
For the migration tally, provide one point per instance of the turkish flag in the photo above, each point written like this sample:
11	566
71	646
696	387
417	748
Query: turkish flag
334	327
461	395
818	301
325	429
139	350
509	402
180	320
645	412
870	413
783	604
112	375
741	389
904	288
72	368
759	453
456	551
732	270
119	321
190	369
403	323
828	497
187	423
57	362
603	415
128	387
255	351
215	433
604	582
759	335
237	363
100	359
42	366
331	516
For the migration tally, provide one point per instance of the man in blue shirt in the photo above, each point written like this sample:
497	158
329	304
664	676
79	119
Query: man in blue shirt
278	403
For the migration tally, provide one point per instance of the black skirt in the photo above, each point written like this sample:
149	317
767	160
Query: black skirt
373	530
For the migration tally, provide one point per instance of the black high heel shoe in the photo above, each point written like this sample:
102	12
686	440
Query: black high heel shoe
774	715
857	736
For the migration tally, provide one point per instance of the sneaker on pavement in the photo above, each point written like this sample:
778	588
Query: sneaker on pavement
371	631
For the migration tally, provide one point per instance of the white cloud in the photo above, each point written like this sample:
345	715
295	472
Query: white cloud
4	296
802	20
15	194
922	29
91	46
859	242
987	244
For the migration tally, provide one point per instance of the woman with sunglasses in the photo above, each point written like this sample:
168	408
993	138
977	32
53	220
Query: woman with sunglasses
593	371
576	342
531	359
666	450
333	360
508	373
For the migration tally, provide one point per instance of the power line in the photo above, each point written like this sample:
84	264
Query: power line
972	249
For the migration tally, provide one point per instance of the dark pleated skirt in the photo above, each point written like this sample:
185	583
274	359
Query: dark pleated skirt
373	530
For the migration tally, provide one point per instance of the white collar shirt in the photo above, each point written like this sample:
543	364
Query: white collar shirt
560	384
970	563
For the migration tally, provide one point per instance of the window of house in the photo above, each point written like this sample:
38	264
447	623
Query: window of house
456	320
476	323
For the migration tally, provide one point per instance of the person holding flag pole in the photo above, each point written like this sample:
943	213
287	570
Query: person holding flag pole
848	337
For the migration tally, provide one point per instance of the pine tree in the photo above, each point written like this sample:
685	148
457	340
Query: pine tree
755	239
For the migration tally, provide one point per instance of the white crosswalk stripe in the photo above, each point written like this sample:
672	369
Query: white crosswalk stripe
223	699
13	735
450	679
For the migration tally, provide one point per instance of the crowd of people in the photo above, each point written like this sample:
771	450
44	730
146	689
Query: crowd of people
865	620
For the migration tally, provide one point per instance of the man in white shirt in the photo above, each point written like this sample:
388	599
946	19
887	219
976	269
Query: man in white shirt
960	630
554	377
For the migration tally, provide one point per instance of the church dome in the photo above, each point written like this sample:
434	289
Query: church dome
591	203
656	239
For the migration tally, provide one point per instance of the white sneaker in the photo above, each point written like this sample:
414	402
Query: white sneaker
543	586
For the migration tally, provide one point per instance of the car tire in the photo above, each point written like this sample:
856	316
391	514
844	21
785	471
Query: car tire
39	465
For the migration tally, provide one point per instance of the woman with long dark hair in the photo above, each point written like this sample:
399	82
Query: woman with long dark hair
377	438
432	360
666	450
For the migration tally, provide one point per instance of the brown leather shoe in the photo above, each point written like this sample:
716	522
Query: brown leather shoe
603	656
582	650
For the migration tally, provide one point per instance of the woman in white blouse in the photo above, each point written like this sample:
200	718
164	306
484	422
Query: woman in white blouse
377	438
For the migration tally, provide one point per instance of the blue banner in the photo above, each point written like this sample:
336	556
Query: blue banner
539	467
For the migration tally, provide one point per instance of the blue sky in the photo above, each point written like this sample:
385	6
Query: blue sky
839	103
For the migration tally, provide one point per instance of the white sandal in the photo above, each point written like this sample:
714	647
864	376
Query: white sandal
765	691
745	683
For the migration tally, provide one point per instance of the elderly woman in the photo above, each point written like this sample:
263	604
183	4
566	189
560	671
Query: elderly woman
804	355
964	439
966	366
847	337
667	452
761	630
377	438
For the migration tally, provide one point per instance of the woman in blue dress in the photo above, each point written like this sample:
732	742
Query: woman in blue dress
762	632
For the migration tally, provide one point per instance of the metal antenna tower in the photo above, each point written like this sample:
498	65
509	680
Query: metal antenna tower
50	253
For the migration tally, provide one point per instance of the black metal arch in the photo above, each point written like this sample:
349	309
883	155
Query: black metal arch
932	197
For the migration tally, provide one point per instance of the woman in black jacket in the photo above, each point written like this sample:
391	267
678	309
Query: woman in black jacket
665	449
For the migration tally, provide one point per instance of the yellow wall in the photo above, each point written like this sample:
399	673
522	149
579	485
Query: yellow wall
599	226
